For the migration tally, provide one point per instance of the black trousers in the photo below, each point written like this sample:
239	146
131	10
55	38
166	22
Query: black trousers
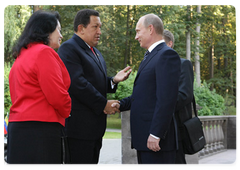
84	151
34	143
161	157
180	157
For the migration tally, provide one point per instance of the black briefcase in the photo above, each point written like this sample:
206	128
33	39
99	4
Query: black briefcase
194	139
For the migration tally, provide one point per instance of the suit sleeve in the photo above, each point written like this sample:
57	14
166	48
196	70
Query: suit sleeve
80	87
167	76
185	92
125	104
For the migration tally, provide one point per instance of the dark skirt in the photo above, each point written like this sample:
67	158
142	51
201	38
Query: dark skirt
34	143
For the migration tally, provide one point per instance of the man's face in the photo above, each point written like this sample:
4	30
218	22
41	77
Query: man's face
93	31
142	34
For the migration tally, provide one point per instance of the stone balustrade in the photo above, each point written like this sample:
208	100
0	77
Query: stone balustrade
219	131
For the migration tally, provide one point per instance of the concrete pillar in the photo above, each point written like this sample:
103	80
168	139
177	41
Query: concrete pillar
231	132
129	156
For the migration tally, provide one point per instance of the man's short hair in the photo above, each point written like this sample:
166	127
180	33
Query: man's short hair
168	36
155	21
83	17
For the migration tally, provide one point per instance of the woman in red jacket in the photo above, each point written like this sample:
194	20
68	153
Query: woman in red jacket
39	83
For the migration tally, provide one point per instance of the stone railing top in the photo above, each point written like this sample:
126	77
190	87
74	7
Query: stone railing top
222	117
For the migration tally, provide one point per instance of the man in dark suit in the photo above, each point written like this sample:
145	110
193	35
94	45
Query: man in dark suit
89	85
154	96
183	110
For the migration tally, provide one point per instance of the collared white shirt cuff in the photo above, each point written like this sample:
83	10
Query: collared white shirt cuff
112	84
154	136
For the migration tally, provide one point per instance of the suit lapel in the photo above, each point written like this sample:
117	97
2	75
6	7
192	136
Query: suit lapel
98	59
149	58
88	51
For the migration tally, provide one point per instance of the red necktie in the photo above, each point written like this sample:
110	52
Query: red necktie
92	50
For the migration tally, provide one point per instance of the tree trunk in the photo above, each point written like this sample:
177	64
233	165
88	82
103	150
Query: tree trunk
127	39
188	40
211	59
197	58
35	8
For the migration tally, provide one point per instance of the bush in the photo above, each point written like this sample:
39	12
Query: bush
211	102
125	88
7	98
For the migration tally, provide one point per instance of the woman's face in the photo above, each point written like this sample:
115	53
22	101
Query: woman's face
55	37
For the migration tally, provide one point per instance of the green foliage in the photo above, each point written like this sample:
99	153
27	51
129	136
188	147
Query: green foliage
7	98
211	102
15	18
124	88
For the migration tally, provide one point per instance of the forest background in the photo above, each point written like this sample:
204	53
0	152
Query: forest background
204	34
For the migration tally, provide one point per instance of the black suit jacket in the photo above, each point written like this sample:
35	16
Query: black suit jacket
154	98
89	86
185	95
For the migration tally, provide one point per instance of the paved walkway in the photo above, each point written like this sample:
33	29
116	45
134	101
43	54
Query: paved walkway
111	154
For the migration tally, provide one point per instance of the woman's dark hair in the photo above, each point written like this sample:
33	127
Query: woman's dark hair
83	17
37	29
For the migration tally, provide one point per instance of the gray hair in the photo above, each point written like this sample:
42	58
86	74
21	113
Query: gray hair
168	36
152	19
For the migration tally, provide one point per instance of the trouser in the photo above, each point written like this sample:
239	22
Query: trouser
160	157
84	151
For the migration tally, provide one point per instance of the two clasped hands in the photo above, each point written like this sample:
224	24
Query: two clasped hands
112	106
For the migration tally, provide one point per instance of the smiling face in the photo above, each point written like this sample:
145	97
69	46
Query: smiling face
55	37
91	33
142	34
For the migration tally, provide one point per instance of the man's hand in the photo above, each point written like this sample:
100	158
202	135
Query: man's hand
153	144
117	105
122	75
109	108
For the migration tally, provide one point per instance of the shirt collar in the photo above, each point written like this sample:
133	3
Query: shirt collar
154	45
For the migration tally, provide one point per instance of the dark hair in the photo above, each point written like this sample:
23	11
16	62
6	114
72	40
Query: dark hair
37	29
83	17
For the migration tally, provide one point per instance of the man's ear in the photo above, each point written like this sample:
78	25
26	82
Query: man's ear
81	29
171	44
151	28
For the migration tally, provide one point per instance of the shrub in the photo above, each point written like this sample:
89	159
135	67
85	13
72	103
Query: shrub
211	102
7	98
125	88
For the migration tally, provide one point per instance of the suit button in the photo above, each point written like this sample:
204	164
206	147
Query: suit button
132	99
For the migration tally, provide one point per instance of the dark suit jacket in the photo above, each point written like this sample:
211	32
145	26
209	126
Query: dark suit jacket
185	95
154	98
89	86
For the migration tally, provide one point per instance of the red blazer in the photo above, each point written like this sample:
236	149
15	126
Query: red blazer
39	83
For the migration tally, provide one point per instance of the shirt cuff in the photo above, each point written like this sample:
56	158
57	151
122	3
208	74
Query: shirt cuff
154	136
112	84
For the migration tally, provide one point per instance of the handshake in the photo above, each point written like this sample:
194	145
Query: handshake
112	107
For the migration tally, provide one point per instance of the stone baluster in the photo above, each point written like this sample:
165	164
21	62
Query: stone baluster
215	135
211	137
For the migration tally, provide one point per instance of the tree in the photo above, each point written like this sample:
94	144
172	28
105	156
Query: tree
197	58
15	18
188	34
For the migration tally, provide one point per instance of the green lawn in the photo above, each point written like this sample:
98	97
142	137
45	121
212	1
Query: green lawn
112	135
113	122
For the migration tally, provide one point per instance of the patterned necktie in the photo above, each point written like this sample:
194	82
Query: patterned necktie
145	55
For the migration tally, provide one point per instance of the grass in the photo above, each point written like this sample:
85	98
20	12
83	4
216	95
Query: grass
112	135
113	122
